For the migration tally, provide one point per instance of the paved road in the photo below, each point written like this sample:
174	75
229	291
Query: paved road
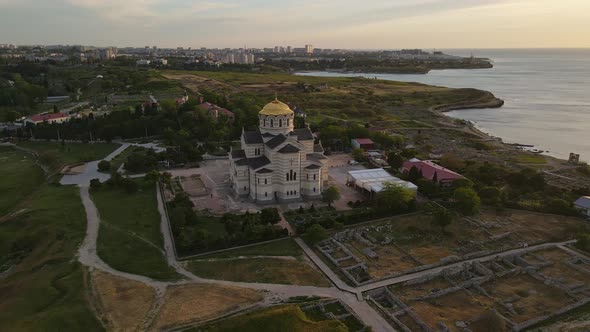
326	269
91	171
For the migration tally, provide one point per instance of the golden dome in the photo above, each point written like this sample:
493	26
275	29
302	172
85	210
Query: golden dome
276	107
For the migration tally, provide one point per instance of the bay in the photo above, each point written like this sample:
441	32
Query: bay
546	94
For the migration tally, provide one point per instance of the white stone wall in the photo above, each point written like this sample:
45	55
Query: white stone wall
253	150
276	124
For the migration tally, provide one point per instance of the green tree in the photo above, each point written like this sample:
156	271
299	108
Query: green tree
95	184
452	161
104	166
330	195
583	242
466	200
316	233
394	198
442	218
395	160
270	216
153	176
359	155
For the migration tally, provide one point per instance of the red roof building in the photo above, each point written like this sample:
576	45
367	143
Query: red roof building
49	118
362	143
429	169
215	111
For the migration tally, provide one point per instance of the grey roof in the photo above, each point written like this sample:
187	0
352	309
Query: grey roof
276	141
316	156
583	202
318	148
289	149
313	166
238	154
303	134
242	162
252	137
267	135
256	163
264	171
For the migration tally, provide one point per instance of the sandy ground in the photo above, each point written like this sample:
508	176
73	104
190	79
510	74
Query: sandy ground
199	302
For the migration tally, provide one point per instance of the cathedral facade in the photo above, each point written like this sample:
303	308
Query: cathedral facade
278	163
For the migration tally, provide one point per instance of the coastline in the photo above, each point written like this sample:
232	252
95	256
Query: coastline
488	101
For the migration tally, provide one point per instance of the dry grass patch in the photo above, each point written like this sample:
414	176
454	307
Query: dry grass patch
124	302
390	260
407	293
200	302
456	306
532	298
560	270
266	270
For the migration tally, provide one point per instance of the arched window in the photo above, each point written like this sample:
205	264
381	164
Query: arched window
287	177
314	189
245	188
288	121
272	122
265	194
314	176
281	123
265	181
294	176
307	176
291	175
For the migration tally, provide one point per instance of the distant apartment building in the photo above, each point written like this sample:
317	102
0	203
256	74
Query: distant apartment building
309	49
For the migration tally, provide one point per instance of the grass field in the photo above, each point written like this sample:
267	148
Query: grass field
530	159
122	157
70	153
280	318
284	247
266	270
20	177
45	290
349	98
129	238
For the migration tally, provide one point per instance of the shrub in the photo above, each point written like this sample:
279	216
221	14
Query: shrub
95	184
104	166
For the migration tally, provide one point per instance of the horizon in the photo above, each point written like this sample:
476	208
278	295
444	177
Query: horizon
380	25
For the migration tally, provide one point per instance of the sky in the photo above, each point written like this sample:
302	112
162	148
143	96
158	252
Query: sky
351	24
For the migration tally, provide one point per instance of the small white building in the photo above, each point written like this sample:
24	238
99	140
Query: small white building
374	180
583	204
143	62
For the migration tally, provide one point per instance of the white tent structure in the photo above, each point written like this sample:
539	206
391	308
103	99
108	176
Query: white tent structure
373	180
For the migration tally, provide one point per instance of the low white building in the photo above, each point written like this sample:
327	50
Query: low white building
374	180
583	204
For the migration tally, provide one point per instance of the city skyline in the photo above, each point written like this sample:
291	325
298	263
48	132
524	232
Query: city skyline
328	24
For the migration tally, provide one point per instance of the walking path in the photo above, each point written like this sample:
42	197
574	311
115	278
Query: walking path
351	296
435	270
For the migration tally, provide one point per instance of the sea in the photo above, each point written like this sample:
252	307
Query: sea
546	94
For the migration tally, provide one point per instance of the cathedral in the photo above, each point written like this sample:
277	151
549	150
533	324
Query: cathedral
278	163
